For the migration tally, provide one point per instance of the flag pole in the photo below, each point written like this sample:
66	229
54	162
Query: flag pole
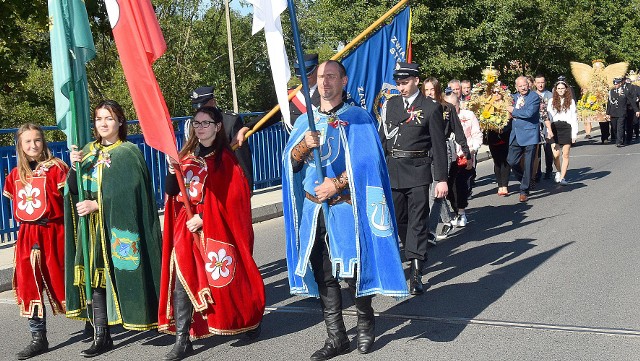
231	62
305	85
83	226
352	44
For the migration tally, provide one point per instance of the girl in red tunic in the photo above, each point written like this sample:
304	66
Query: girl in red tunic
207	263
35	187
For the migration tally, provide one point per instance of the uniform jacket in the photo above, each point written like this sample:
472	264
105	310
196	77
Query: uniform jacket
619	100
421	127
525	127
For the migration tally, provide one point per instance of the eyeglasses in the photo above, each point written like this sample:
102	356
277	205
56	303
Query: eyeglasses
204	124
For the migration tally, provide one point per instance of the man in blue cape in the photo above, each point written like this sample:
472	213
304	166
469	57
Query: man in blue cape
357	240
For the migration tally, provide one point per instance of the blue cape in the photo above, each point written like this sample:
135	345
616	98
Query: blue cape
362	237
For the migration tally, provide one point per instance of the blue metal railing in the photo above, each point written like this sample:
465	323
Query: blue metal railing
266	147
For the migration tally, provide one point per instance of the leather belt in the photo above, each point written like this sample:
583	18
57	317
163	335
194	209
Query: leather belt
332	201
395	153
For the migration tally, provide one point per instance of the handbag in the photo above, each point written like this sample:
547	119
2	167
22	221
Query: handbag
462	161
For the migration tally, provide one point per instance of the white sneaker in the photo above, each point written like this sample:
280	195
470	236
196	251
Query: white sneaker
558	177
462	220
563	182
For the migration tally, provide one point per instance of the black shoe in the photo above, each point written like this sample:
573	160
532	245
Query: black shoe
415	277
547	175
37	346
620	145
102	342
331	349
431	239
445	232
181	349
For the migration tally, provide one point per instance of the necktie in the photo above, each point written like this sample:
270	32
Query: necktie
406	104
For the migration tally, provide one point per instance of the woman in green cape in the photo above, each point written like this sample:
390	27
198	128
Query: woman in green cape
124	240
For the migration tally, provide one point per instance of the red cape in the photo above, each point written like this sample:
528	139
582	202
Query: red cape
218	272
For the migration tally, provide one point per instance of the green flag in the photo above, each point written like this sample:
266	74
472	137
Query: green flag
71	48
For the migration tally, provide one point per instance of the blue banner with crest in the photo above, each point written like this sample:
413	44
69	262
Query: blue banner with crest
370	67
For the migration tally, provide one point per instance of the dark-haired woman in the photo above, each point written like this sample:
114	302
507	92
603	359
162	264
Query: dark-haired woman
124	233
562	127
210	282
454	134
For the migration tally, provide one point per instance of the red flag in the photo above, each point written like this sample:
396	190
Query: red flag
140	42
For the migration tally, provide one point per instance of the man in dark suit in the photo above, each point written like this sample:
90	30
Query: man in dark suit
632	109
203	96
412	134
525	134
620	98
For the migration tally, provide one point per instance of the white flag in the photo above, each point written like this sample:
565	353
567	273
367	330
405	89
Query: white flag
266	15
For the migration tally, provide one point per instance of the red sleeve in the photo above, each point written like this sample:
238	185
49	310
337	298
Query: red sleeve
9	184
60	174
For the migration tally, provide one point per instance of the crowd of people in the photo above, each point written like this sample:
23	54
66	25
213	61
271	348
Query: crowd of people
90	234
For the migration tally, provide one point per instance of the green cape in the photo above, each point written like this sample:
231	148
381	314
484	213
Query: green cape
124	237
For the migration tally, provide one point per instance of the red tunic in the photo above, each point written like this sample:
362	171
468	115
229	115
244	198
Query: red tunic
218	272
39	251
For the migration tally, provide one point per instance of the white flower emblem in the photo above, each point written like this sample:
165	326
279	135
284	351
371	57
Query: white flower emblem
192	181
29	202
219	267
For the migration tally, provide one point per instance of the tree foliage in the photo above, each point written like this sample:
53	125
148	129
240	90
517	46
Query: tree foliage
451	39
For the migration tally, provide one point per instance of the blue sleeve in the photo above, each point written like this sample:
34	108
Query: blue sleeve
530	108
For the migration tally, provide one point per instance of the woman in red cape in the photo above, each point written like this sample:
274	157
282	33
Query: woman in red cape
35	187
210	284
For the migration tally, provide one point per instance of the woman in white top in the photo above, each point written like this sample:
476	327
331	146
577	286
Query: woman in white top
562	127
464	169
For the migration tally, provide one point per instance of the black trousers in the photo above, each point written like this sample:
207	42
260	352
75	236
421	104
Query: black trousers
501	167
604	130
320	260
412	216
617	127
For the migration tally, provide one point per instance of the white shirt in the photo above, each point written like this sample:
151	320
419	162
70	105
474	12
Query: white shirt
410	99
570	116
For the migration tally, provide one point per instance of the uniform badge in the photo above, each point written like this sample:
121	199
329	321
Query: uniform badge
125	249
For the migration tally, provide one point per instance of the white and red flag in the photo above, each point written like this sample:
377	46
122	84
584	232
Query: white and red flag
266	15
140	42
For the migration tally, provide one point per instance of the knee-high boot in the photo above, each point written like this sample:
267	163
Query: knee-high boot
182	312
366	321
102	337
337	342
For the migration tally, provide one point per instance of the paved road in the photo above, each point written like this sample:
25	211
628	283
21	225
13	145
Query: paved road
556	278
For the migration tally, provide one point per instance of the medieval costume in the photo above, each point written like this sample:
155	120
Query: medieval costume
124	241
212	273
358	242
39	250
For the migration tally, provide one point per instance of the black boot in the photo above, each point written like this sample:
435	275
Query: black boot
38	345
87	333
366	322
182	312
415	277
337	343
102	341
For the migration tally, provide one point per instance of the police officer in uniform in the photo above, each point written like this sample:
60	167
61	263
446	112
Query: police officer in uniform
619	99
632	110
412	134
203	96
